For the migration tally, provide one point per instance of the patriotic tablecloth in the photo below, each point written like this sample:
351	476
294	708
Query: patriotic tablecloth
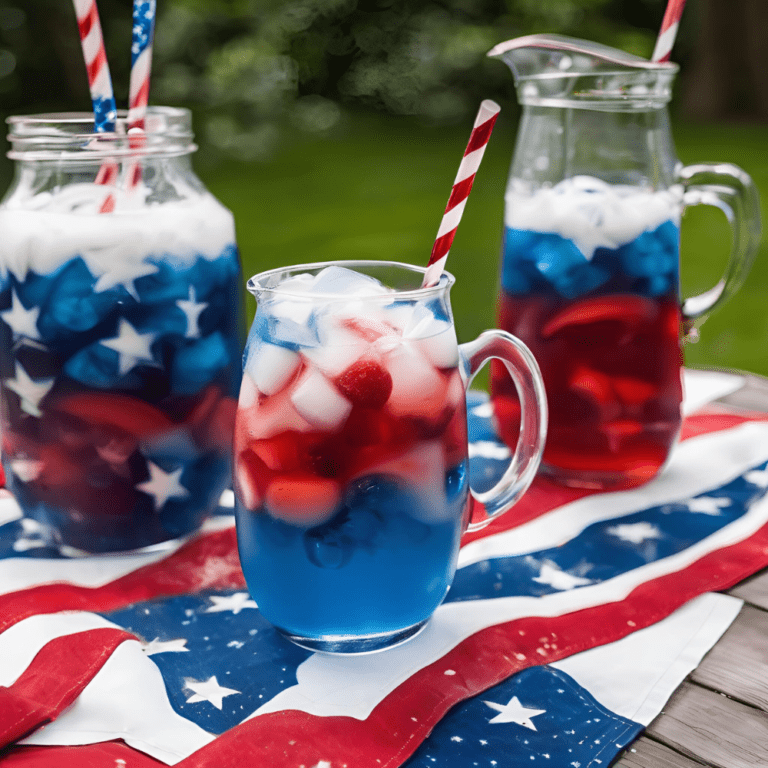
571	621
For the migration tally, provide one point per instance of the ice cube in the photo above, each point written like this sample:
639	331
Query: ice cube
287	323
198	362
435	338
272	367
248	392
339	346
268	416
95	366
418	389
72	304
346	282
319	402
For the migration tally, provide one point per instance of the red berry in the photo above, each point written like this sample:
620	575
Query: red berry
366	383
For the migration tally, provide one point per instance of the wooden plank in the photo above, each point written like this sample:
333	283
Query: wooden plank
754	590
713	729
646	753
738	664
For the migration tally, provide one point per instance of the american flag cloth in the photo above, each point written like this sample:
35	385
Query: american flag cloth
570	622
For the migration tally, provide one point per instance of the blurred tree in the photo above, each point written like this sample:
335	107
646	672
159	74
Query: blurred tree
727	73
256	70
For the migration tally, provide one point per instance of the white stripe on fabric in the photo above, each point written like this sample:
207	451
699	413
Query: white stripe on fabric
126	699
698	465
25	572
703	387
652	662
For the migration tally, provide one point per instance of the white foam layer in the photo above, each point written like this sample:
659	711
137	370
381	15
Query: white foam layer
54	232
590	212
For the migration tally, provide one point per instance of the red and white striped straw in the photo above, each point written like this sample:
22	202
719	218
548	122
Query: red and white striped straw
144	12
462	186
95	56
668	31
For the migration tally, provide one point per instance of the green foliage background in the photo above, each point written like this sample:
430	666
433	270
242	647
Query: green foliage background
333	128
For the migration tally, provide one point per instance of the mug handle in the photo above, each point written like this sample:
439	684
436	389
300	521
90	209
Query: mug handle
732	190
524	370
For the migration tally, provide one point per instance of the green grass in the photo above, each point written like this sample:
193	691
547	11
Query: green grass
377	189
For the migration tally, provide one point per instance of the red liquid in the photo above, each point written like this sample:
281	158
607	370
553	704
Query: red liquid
612	370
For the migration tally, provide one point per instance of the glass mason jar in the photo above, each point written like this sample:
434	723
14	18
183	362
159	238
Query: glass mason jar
121	328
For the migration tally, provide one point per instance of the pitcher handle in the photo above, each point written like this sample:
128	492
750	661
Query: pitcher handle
525	373
732	190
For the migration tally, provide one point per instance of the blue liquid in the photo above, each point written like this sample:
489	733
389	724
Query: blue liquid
95	484
374	568
547	263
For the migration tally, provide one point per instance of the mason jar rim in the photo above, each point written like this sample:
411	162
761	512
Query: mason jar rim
64	136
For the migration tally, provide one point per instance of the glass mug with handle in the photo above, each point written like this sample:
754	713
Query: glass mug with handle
590	262
350	451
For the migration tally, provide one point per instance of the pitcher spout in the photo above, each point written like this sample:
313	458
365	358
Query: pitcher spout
555	70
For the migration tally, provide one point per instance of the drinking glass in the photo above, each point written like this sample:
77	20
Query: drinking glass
351	472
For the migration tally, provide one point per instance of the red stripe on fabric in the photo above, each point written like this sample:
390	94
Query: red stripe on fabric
107	754
480	135
54	679
208	562
442	246
460	192
400	723
94	67
543	495
716	418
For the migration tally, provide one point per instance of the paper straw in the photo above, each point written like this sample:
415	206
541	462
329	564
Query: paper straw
141	61
462	186
668	31
144	12
95	56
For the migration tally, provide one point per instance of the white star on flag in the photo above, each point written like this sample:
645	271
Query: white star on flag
131	346
707	505
207	690
758	477
550	574
163	485
234	603
165	646
192	309
30	391
635	533
23	322
514	712
124	272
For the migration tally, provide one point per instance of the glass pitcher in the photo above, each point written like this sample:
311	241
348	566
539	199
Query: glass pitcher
590	262
121	331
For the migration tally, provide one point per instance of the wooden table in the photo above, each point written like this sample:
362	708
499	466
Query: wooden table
719	715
